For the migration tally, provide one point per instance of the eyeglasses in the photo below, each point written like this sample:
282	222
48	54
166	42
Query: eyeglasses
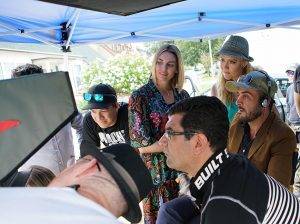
89	96
170	133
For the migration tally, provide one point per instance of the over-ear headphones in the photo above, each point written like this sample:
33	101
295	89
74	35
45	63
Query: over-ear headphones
264	101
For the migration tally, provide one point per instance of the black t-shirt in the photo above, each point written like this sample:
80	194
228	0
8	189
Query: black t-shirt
118	133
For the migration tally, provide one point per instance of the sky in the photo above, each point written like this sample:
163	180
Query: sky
274	49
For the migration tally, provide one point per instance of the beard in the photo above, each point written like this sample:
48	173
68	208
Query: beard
250	116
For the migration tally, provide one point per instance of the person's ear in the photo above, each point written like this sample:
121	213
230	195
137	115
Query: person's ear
117	105
87	168
201	143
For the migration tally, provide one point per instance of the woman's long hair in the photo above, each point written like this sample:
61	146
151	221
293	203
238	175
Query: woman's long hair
224	95
178	80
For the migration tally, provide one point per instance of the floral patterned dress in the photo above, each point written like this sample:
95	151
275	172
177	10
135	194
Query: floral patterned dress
147	118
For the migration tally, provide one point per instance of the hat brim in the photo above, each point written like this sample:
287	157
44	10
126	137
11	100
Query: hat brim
91	106
233	86
234	54
133	214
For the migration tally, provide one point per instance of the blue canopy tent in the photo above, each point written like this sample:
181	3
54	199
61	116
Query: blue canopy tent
29	21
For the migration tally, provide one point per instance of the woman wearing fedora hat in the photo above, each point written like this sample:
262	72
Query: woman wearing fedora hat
234	62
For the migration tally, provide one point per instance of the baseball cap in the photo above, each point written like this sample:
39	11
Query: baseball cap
100	96
128	170
258	80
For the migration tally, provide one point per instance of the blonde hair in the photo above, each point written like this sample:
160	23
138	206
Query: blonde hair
39	177
178	79
224	95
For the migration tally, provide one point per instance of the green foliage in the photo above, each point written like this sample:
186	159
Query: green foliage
124	72
192	51
205	61
152	47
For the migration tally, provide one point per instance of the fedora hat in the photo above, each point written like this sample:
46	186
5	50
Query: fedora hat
236	46
128	170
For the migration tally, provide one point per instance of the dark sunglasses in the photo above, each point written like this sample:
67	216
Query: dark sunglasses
89	96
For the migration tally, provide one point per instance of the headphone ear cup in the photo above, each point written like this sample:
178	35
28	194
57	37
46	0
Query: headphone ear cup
264	103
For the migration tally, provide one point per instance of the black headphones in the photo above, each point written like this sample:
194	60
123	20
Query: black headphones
264	101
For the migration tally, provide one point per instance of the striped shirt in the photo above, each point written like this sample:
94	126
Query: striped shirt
230	190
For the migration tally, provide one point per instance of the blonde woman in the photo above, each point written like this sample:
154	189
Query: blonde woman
147	111
234	62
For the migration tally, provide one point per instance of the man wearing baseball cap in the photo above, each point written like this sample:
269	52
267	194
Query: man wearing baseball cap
107	122
257	132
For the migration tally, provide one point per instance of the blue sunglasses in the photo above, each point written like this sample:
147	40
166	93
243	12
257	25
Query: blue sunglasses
97	97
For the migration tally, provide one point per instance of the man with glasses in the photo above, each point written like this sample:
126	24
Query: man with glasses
257	132
107	121
226	187
98	188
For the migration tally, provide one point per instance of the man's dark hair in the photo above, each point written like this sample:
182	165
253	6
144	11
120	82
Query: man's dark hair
207	115
27	69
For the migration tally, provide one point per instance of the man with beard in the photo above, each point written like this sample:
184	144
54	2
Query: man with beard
106	123
226	187
257	132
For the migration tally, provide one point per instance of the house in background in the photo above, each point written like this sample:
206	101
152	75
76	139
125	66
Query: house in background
52	59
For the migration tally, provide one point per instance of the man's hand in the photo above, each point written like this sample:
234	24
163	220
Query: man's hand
155	147
162	143
71	175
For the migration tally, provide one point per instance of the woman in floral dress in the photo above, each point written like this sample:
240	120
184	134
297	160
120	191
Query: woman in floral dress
148	108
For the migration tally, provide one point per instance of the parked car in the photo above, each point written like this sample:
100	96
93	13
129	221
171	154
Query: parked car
283	84
190	86
280	103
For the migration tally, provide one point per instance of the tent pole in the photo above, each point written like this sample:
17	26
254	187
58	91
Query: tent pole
167	26
77	12
72	17
287	27
28	35
66	61
108	39
233	22
161	36
29	31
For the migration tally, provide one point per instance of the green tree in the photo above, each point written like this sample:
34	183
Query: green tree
124	72
192	51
